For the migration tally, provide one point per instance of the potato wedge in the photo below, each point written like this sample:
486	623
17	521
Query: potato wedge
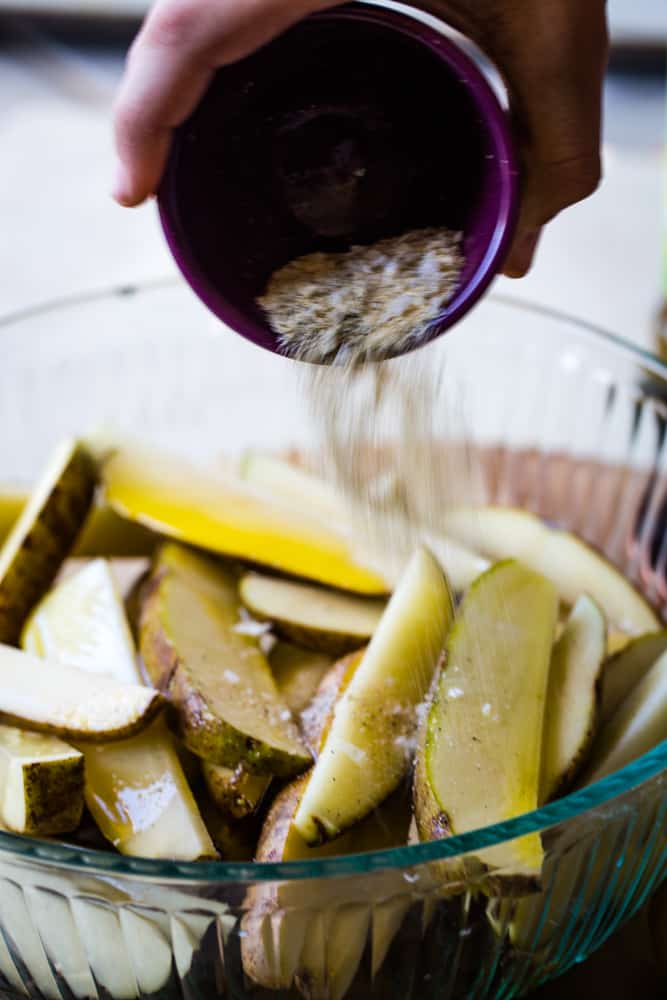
315	933
624	670
229	708
224	515
82	623
235	791
478	758
311	496
573	697
313	617
126	571
138	795
297	672
43	535
617	641
51	697
574	567
295	485
318	715
41	783
367	750
638	725
136	789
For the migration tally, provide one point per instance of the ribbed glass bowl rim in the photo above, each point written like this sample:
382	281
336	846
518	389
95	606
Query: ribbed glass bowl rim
570	807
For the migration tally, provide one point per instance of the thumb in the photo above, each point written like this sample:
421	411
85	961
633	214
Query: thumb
555	70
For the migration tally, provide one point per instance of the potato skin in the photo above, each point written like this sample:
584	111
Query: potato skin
204	733
46	544
236	792
53	797
317	717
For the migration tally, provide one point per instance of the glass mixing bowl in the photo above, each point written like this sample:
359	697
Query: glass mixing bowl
563	420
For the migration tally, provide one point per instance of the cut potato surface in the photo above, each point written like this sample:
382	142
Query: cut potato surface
367	750
126	571
140	800
294	485
43	535
228	704
82	623
572	696
41	783
638	725
136	790
311	495
309	616
297	673
625	670
570	563
51	697
478	759
226	516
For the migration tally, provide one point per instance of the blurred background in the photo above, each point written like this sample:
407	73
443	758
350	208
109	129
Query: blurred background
60	61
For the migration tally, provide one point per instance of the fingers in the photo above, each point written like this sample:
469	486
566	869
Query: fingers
170	65
556	91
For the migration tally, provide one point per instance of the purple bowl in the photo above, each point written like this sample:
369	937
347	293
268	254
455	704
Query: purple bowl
358	123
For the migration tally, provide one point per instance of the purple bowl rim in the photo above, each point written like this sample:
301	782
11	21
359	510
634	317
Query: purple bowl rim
497	126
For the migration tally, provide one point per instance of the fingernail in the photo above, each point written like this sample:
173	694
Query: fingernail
522	254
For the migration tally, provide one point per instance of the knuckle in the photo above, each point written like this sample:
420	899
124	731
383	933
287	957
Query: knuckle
569	181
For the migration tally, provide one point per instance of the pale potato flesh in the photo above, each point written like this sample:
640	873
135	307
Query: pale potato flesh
82	623
312	495
638	725
140	800
41	783
312	616
368	747
573	696
574	567
478	760
135	790
229	707
624	670
52	697
224	515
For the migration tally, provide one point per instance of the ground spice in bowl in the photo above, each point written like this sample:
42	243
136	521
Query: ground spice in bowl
368	303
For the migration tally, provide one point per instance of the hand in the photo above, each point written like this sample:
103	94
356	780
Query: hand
552	54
